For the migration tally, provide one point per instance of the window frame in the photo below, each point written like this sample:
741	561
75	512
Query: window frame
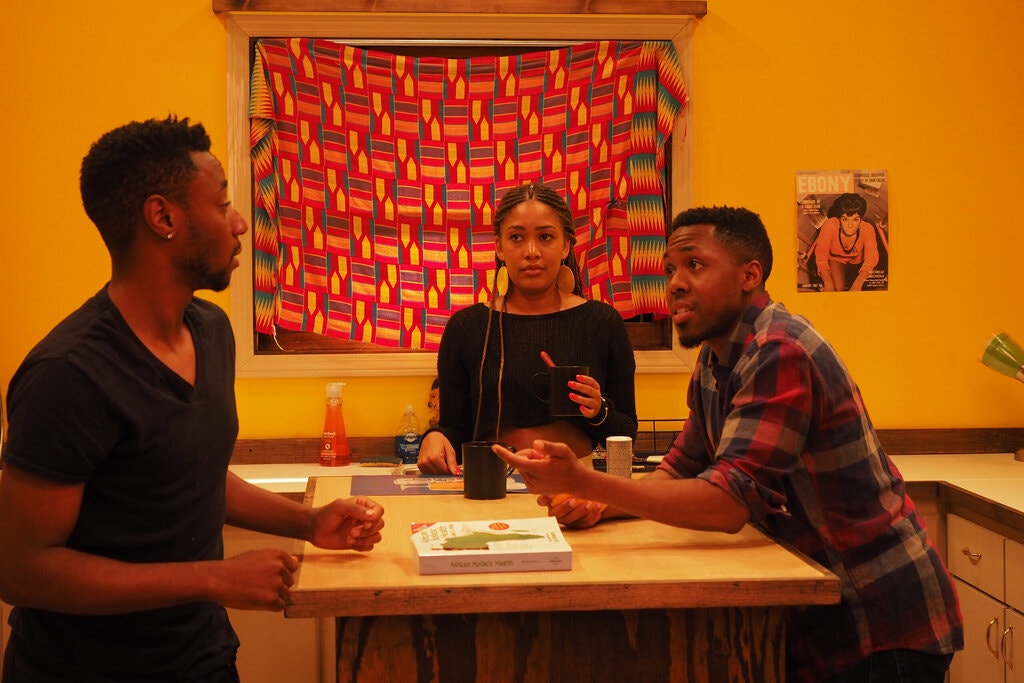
243	27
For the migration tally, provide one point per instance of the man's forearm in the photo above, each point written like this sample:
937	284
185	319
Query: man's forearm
685	503
72	582
251	507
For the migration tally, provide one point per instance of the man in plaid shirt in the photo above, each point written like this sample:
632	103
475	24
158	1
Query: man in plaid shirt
778	436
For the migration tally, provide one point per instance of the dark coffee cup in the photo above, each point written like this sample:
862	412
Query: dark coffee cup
484	474
552	387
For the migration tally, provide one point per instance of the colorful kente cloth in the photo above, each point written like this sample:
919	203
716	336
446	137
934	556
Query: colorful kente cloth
377	177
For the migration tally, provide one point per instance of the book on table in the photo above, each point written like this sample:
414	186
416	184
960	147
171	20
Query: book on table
494	545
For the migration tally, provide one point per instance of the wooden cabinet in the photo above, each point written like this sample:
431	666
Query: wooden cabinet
989	569
983	619
274	648
1012	656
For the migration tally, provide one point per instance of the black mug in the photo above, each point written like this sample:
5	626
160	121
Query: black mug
484	474
552	387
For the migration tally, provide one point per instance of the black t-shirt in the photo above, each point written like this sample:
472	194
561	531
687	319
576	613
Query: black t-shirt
90	403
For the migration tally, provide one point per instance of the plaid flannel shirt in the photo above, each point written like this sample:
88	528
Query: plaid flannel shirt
779	422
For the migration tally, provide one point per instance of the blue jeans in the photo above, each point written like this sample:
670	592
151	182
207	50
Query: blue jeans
897	666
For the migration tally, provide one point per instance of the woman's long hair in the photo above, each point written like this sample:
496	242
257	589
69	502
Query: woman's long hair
553	199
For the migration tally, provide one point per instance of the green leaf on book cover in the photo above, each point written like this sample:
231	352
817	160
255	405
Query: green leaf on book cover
478	540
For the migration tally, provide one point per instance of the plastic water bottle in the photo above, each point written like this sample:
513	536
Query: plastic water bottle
407	437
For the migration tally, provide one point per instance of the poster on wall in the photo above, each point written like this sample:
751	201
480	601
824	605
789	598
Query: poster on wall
842	220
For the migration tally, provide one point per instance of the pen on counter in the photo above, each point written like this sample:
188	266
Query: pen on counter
547	359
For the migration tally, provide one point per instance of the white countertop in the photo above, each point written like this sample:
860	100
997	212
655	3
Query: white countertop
293	477
994	476
959	467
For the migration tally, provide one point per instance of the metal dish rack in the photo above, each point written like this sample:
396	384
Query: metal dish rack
652	441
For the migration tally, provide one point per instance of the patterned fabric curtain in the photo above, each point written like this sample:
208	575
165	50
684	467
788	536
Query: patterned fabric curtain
377	177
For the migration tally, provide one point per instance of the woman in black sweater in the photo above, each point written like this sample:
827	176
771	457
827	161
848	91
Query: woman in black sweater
490	353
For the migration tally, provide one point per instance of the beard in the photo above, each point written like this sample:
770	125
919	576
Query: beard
204	267
720	326
203	275
218	282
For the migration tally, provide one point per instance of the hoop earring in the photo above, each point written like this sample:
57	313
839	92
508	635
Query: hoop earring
566	281
501	280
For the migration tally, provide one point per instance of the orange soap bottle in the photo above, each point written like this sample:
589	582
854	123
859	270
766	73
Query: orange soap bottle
334	450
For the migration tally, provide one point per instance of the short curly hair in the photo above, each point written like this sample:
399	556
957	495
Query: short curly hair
739	229
133	162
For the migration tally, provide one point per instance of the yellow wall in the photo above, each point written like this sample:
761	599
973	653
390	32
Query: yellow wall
923	88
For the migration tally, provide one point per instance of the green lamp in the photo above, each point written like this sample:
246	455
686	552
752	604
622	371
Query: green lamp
1005	356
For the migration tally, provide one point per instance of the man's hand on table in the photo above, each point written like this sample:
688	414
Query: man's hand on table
351	524
550	469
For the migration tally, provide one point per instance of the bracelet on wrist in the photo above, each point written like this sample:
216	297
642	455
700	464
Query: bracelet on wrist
607	409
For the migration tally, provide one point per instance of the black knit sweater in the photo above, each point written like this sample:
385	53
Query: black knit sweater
591	334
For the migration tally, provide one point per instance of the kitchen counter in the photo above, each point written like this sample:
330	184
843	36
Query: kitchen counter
996	477
985	487
291	479
642	600
965	470
746	568
395	624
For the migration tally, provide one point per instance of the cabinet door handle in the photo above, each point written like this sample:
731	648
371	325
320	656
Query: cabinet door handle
1007	636
973	557
988	637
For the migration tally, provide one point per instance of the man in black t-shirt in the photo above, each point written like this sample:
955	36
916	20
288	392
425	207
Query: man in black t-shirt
115	483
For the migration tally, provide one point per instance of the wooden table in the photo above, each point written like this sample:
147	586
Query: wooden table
643	602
